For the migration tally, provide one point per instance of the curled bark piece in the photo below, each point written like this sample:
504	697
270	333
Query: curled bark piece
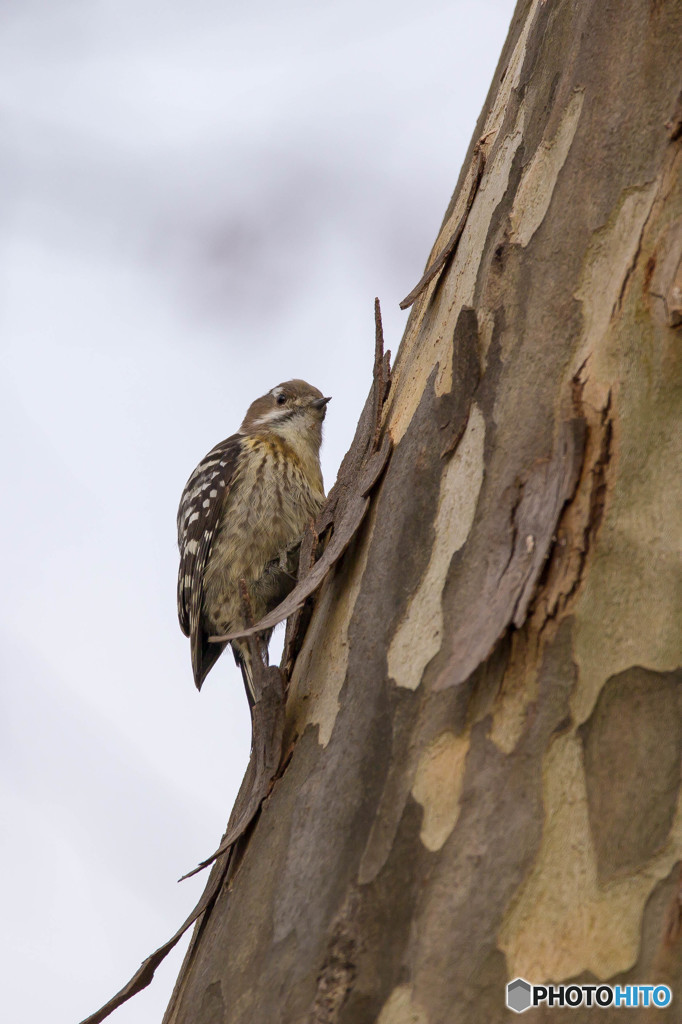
145	974
298	622
508	586
451	245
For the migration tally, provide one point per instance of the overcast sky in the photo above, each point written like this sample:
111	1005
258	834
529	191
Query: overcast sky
198	202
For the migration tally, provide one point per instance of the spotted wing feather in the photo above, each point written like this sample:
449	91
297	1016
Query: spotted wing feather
198	517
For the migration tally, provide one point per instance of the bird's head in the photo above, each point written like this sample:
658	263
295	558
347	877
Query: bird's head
293	410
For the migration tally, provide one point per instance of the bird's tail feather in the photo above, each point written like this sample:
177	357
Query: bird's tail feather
204	657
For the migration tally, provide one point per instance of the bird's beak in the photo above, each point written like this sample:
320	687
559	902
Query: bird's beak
320	403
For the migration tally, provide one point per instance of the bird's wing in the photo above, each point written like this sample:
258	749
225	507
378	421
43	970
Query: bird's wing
198	517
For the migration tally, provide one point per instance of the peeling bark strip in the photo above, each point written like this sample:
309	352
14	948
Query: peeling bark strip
450	246
297	623
533	509
145	974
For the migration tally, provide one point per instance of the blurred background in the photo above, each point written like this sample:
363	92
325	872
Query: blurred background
198	202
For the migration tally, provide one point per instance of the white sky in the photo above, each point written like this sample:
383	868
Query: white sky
198	201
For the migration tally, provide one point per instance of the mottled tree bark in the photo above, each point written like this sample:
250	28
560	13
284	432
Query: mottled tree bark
485	719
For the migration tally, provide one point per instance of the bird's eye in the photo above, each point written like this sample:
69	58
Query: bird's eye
281	399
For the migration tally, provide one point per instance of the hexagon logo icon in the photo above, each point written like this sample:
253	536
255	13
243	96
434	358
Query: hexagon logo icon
518	995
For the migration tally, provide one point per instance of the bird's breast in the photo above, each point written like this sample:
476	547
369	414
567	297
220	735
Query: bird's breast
266	509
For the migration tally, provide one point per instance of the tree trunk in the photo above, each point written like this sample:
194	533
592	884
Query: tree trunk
485	719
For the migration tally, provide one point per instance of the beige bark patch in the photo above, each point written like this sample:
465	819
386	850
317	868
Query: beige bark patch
422	349
607	264
512	75
419	634
535	190
486	326
460	283
493	184
438	787
563	922
629	610
400	1008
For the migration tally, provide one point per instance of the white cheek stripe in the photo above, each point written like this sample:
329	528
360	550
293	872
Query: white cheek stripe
271	417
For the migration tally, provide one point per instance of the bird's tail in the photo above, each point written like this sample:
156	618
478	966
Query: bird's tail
204	657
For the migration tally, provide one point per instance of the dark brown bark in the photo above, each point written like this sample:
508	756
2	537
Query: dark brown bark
484	719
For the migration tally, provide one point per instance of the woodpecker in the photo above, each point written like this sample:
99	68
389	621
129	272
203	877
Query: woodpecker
243	511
